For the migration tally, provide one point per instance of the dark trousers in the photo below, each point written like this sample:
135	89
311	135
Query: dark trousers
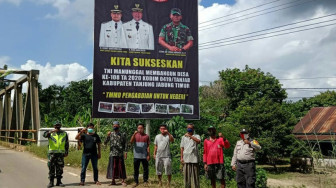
136	169
246	175
55	164
85	161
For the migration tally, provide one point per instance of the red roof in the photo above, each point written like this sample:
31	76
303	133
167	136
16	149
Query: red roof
318	124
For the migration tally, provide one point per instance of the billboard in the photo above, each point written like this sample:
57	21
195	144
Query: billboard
145	59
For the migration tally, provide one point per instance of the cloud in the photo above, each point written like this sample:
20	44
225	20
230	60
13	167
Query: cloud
15	2
60	74
299	55
74	12
4	60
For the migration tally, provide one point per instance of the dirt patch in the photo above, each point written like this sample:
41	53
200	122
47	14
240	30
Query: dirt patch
325	180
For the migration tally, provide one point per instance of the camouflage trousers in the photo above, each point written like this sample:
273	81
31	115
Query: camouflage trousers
55	165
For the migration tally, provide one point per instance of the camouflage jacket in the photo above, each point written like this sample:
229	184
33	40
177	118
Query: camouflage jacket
176	35
118	143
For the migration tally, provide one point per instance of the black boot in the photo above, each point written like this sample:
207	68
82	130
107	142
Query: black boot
51	183
59	183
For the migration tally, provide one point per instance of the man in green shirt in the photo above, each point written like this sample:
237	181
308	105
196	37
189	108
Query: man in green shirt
58	148
175	36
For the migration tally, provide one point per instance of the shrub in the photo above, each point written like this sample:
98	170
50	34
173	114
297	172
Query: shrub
261	181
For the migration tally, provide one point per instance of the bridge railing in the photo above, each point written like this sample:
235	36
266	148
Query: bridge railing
18	120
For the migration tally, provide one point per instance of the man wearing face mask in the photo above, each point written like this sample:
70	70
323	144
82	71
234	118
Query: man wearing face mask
213	157
189	157
91	142
58	148
243	160
162	154
141	153
118	147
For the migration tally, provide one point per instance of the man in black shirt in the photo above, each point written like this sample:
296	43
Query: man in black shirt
90	140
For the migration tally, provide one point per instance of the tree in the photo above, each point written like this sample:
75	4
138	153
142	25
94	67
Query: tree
250	83
254	101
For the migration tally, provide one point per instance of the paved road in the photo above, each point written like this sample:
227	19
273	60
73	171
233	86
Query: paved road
22	169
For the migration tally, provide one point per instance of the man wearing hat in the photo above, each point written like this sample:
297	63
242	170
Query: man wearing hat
58	148
139	34
213	157
175	36
118	147
112	34
243	160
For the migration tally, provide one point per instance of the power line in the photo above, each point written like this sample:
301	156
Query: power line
313	78
238	12
226	23
270	32
269	36
270	28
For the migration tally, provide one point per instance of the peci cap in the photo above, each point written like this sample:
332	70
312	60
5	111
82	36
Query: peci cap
175	11
243	131
137	7
116	9
116	123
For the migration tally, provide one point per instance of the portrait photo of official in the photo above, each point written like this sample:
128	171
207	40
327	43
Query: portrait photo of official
175	36
112	34
139	34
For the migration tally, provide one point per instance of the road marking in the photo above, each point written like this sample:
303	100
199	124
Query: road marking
73	174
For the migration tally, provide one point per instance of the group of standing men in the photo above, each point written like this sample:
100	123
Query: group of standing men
243	160
138	34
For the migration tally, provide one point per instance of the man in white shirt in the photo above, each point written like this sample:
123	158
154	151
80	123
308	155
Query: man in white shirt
112	34
139	34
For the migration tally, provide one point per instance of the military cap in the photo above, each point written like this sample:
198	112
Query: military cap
137	7
243	131
175	11
211	127
116	9
56	123
116	123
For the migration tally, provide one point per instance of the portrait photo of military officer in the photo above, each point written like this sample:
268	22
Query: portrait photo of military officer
112	34
175	36
139	34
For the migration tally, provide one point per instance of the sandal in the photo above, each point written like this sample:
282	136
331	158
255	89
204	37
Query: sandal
81	184
113	183
124	184
97	183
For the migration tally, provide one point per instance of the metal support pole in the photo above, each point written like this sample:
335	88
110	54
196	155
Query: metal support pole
147	127
35	110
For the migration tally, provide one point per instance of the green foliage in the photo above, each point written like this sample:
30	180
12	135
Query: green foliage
250	84
261	181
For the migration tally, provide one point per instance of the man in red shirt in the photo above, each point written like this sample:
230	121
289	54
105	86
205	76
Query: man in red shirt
213	157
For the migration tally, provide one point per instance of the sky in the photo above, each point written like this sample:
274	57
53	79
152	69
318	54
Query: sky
56	37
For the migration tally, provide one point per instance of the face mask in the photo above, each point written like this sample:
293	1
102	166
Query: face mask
190	130
90	131
115	128
244	136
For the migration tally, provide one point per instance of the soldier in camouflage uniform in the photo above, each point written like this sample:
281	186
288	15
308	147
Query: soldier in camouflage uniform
175	36
58	148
